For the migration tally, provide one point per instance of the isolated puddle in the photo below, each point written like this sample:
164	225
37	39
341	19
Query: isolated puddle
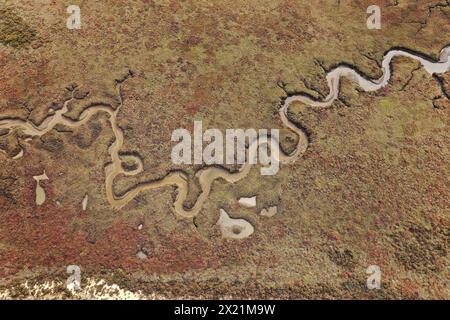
270	212
40	192
84	203
234	228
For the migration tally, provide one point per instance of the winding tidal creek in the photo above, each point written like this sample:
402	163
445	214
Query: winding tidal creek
209	174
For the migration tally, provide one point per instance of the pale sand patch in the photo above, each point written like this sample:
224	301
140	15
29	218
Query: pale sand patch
248	202
270	212
40	192
234	228
84	203
208	175
141	255
90	289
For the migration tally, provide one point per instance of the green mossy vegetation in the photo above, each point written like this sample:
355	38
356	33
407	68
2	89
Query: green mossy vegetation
14	31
